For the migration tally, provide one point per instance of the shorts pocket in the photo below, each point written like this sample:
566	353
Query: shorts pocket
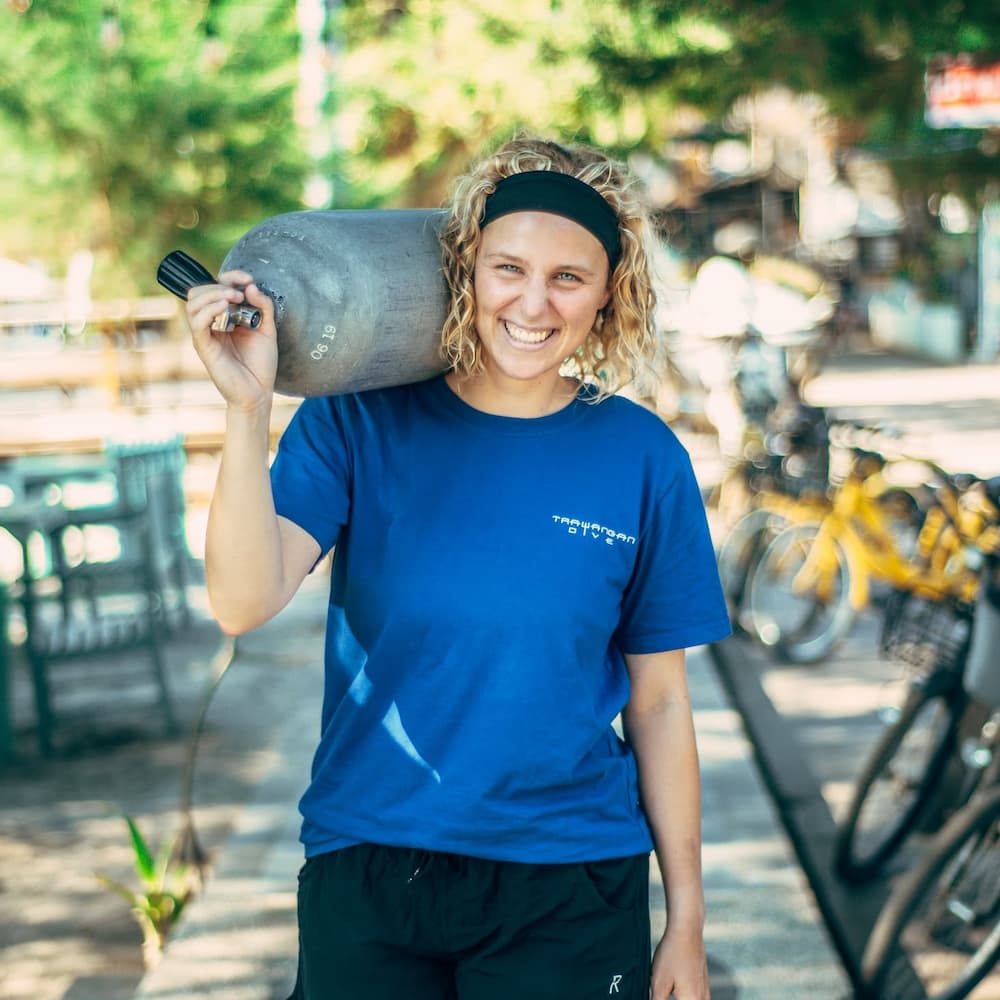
316	866
310	867
616	882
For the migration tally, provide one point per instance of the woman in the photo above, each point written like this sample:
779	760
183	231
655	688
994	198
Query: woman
520	556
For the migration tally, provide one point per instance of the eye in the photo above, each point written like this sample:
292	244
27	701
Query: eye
509	268
567	276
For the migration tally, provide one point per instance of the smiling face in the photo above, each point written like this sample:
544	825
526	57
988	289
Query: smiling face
540	280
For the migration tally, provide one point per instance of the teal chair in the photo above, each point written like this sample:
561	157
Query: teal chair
149	505
111	577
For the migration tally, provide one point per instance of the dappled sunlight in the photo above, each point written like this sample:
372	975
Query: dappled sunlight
831	697
749	861
838	796
764	943
720	739
720	748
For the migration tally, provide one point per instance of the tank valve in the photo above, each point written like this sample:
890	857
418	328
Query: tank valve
179	272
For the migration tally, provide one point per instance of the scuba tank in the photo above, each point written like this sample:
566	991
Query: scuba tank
359	297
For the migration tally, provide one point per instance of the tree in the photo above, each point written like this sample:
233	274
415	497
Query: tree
140	127
867	61
428	82
425	85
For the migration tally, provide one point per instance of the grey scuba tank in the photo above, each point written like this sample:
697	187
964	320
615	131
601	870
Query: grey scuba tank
359	296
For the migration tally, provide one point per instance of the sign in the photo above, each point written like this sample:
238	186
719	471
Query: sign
961	94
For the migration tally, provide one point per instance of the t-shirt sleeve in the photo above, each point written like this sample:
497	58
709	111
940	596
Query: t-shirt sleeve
311	472
674	599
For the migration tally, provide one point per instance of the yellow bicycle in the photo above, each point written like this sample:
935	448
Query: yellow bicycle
813	578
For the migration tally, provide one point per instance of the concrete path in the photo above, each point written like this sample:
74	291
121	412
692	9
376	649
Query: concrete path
237	941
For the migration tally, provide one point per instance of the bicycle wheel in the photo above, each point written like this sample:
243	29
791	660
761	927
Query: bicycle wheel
942	921
740	551
799	595
896	783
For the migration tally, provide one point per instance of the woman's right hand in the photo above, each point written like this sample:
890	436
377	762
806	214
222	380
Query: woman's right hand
241	362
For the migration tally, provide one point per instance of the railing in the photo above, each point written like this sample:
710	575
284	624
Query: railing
154	311
103	391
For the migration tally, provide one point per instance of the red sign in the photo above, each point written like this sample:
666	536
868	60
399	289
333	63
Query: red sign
962	95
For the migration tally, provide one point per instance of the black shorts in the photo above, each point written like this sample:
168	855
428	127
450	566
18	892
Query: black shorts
386	923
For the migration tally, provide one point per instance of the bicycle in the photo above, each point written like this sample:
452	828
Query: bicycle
945	911
907	764
942	919
784	470
903	774
816	574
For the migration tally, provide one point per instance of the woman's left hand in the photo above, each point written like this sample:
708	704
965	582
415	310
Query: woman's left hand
680	968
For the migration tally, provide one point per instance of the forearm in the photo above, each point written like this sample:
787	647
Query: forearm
663	740
243	561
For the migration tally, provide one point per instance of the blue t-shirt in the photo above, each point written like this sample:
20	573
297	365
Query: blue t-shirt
489	574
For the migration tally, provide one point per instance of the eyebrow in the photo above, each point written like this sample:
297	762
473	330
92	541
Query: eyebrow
514	259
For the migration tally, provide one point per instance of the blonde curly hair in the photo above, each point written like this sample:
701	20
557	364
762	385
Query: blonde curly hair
621	341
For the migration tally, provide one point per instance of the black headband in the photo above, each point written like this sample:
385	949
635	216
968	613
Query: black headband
560	194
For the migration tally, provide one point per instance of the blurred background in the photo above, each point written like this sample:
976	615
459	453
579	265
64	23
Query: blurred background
860	140
825	183
846	152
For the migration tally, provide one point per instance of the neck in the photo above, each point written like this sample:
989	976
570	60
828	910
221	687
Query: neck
514	398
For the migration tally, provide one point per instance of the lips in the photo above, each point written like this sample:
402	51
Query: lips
529	338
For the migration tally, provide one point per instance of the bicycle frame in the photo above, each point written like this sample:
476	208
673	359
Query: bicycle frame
860	526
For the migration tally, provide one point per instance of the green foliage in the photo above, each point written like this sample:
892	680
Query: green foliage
866	60
424	87
165	886
428	83
138	127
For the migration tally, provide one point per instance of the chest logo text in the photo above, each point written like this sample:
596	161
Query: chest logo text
574	526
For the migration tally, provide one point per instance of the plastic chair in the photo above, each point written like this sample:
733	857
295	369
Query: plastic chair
110	575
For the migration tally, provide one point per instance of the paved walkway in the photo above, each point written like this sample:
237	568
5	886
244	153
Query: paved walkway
765	935
237	941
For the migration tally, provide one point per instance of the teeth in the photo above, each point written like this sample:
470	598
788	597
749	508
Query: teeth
526	336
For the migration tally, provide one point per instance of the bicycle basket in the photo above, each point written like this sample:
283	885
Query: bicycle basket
925	635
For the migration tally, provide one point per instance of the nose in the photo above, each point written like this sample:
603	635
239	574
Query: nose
534	297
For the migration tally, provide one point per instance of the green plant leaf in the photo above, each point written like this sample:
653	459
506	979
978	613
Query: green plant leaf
144	863
163	865
119	888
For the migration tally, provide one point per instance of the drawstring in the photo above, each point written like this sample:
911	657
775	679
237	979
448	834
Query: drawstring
424	861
